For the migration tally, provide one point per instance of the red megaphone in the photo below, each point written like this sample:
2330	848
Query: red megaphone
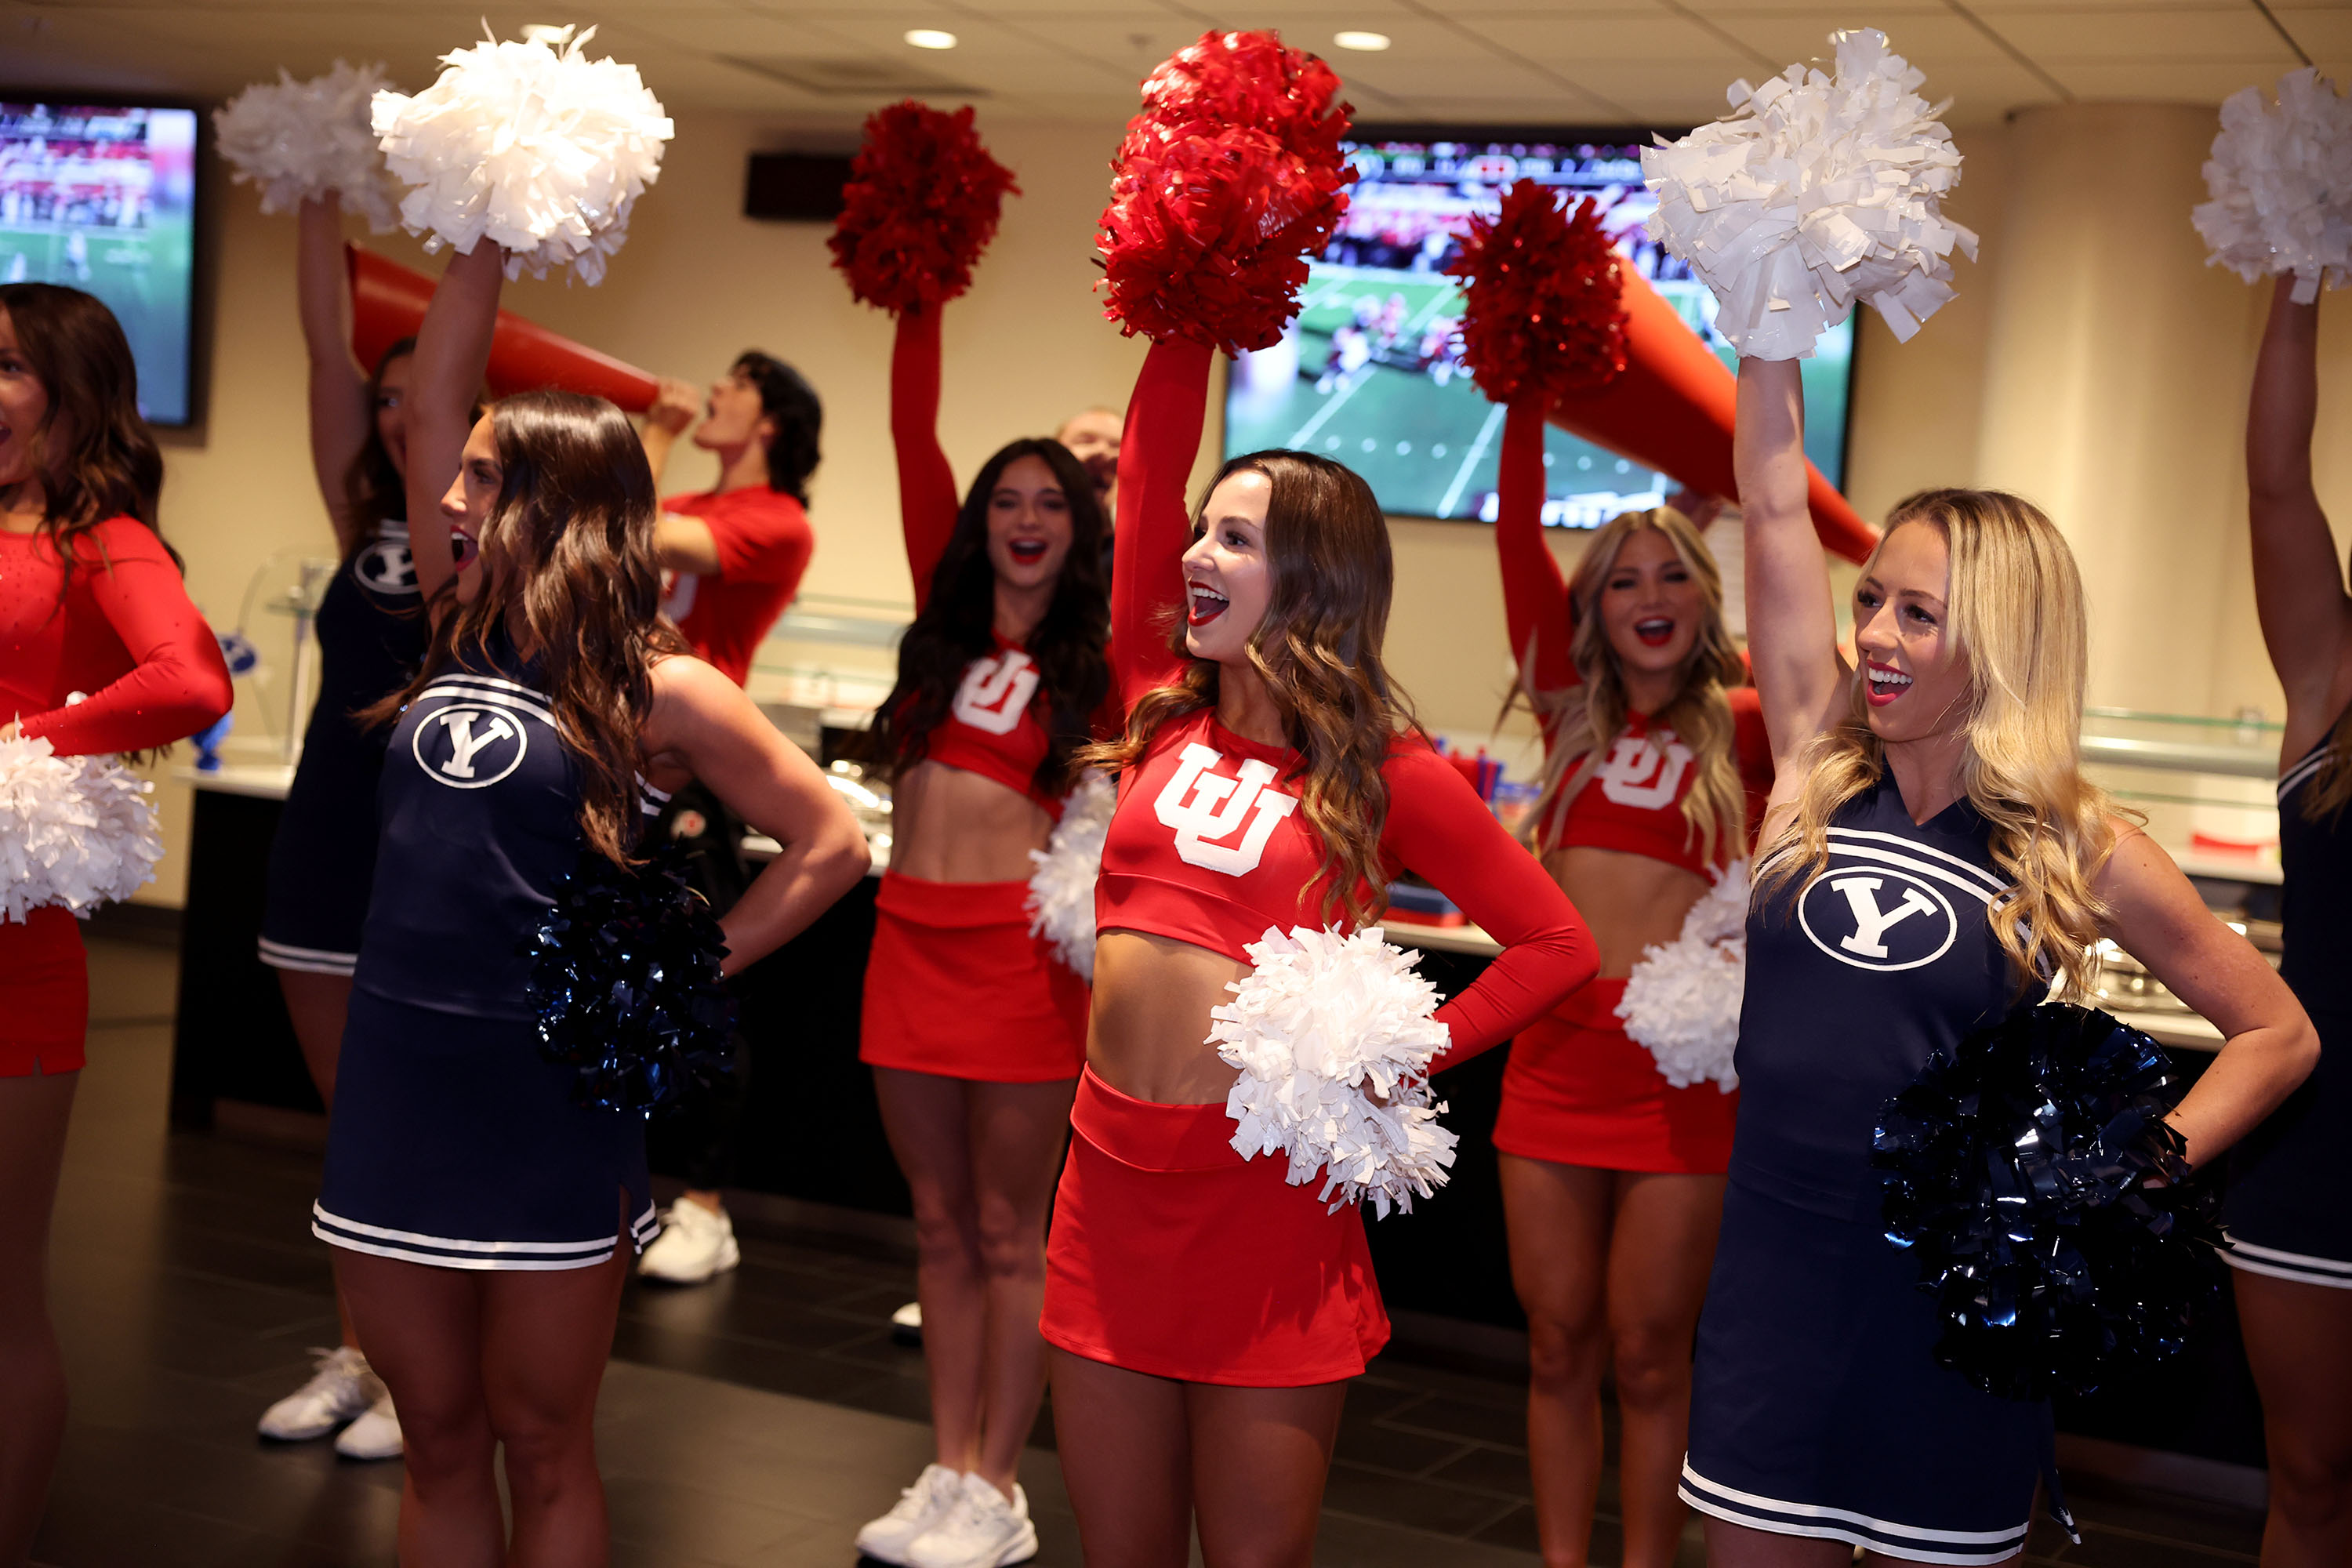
1671	409
388	304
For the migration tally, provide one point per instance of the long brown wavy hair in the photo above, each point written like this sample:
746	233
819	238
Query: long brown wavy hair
374	492
960	614
97	458
568	568
1587	718
2017	617
1319	650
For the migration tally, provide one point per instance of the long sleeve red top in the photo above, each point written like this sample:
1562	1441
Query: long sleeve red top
119	628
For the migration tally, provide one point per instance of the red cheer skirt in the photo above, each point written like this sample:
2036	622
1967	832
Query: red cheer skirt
45	981
1579	1090
956	986
1172	1256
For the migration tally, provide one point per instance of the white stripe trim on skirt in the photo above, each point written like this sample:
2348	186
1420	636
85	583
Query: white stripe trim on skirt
308	959
1977	1548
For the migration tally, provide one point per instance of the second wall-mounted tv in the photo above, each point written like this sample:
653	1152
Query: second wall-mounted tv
1370	373
103	198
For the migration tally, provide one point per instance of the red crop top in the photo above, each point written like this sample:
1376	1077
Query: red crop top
995	727
1634	799
124	633
1209	845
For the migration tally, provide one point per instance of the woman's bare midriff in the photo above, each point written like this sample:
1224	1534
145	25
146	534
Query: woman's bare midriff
1149	1038
1630	900
950	825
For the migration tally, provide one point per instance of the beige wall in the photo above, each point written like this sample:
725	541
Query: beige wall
2090	361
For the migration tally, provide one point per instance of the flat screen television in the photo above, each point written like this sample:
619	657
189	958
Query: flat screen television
1370	373
103	198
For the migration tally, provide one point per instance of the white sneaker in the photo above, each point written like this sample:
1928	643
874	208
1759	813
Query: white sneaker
934	1495
984	1530
694	1245
342	1388
375	1436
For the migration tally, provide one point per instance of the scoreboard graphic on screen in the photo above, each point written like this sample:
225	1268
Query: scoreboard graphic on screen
104	199
1370	373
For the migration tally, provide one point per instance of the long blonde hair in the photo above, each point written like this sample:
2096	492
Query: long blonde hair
1319	651
2015	608
1585	718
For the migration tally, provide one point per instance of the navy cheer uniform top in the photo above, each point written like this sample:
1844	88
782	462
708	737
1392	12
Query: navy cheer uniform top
2283	1215
1817	1406
371	635
454	1142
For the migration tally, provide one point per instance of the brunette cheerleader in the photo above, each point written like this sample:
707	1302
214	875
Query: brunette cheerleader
2290	1238
479	1213
1205	1315
99	651
371	631
974	1030
1612	1178
1933	855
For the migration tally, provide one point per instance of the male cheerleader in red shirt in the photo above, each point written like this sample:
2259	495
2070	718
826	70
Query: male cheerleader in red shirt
735	553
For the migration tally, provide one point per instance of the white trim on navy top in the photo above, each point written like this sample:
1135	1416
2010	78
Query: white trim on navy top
451	1252
2334	1273
1977	886
308	959
2303	770
1911	1543
488	689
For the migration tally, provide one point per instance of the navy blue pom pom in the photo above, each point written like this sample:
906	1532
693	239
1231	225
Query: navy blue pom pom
626	985
2017	1168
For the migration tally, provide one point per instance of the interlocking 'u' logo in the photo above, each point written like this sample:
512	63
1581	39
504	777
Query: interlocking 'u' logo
1202	805
996	692
1645	772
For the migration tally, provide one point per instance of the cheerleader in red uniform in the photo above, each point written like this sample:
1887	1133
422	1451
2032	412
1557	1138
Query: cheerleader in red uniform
90	607
1655	763
1205	1315
974	1030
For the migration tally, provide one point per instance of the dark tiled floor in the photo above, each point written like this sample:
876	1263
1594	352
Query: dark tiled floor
757	1421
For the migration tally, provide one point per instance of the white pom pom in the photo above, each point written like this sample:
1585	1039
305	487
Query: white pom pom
300	140
1062	888
1333	1035
2281	179
1682	1000
77	831
1816	192
538	151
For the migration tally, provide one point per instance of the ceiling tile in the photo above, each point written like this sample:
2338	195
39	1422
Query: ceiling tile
1570	42
2120	38
2190	81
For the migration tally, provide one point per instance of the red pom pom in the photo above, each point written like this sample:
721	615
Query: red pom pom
1227	181
920	205
1545	314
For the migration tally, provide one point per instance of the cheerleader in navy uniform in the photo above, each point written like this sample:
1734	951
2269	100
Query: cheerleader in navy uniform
479	1213
371	631
1932	854
2290	1231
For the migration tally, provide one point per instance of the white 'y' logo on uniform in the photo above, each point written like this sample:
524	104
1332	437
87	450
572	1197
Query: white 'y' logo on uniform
471	731
996	692
1202	805
1645	771
1870	922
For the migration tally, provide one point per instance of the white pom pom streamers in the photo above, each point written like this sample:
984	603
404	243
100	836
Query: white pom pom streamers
541	151
76	831
300	140
2280	180
1062	890
1334	1035
1818	191
1682	1000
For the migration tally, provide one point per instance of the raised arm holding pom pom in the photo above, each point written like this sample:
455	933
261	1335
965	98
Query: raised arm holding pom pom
1271	784
1933	860
2292	1245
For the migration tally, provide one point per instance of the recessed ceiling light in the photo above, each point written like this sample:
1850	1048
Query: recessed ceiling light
930	38
1367	43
